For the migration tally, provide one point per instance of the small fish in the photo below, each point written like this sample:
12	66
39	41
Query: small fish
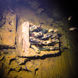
72	28
69	18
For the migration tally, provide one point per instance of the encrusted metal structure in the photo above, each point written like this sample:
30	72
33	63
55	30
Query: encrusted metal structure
37	41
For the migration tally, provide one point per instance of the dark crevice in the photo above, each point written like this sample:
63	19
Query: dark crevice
42	57
6	47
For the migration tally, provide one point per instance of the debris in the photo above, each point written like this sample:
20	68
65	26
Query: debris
22	61
50	30
37	34
2	58
43	39
47	35
72	28
11	69
55	30
44	31
13	59
34	27
36	49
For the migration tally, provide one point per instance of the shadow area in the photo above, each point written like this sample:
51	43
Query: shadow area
42	57
6	47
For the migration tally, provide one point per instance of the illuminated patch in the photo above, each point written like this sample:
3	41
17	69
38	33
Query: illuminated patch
38	41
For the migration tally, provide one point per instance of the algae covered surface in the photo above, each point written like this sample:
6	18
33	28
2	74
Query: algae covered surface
61	66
